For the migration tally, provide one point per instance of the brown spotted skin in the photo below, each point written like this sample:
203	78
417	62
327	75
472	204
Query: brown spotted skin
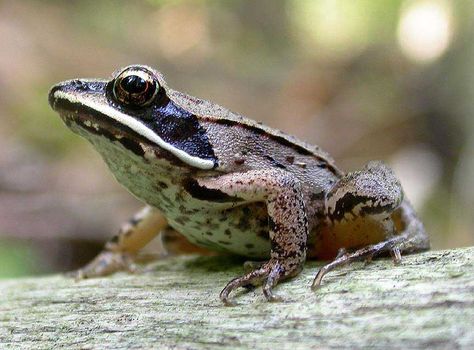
230	184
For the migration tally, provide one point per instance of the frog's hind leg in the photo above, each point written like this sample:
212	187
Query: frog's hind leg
373	195
119	252
412	237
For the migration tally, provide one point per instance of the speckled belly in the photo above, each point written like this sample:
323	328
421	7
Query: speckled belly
241	230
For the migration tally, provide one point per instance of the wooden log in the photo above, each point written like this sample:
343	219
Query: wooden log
426	302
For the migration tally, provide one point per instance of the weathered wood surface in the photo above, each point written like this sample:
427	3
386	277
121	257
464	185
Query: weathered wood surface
426	302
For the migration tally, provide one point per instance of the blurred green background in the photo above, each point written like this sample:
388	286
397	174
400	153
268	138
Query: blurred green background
364	79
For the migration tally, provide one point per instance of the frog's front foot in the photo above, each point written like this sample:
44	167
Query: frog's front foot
106	263
268	274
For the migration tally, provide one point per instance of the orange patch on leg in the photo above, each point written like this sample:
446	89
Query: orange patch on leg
351	234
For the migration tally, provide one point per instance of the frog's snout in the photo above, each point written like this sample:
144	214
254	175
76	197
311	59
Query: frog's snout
71	90
58	91
52	94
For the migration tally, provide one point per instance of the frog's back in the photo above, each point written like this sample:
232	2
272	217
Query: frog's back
227	118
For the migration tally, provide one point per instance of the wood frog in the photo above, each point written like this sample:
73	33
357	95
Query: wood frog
230	184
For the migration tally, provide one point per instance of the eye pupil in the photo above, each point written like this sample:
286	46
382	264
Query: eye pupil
133	84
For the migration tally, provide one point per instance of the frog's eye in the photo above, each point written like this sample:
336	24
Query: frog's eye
135	88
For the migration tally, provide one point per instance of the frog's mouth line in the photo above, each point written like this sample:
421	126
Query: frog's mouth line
70	105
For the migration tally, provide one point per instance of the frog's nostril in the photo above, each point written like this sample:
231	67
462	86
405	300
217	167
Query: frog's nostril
78	85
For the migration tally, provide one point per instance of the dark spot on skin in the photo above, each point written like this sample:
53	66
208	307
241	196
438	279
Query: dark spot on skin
114	239
211	225
349	201
290	159
227	232
275	162
132	145
271	224
244	222
181	220
129	143
134	221
239	161
278	249
207	194
179	197
225	242
162	154
302	247
295	253
162	185
317	196
209	233
368	210
322	165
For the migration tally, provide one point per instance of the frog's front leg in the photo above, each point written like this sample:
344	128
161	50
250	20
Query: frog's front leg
288	225
119	251
373	195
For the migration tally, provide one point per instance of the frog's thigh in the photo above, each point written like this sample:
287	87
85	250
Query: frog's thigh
372	191
364	199
138	231
359	207
288	226
119	251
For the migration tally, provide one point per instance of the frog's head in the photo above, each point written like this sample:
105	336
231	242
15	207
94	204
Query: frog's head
134	110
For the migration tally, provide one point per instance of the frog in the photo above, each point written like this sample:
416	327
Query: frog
229	184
